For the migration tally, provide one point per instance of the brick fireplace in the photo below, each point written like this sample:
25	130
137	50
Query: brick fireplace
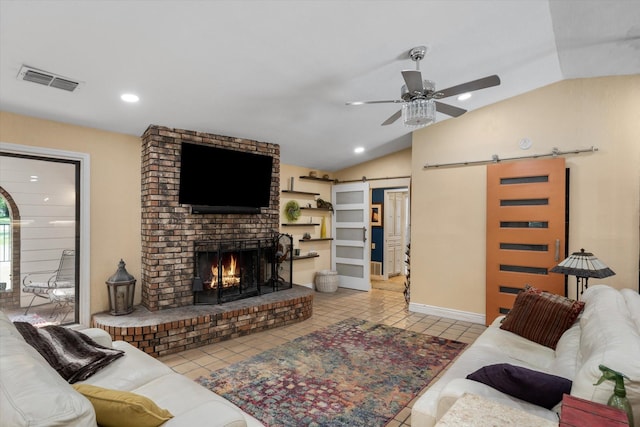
174	240
170	230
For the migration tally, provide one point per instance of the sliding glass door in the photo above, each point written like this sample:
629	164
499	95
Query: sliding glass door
41	197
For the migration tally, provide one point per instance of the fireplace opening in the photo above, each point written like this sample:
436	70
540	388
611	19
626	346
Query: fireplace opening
231	270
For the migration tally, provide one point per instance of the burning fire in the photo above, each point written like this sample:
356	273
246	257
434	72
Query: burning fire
229	276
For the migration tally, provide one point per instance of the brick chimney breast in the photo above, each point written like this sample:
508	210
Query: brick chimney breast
169	230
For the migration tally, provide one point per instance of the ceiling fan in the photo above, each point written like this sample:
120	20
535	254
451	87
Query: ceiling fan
419	97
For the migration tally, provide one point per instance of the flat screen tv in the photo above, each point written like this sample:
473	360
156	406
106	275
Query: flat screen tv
220	180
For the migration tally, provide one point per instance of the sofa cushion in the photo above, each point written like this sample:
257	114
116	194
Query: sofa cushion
31	392
458	387
565	361
609	337
187	400
494	345
100	336
190	402
128	373
512	348
116	408
632	298
533	386
540	316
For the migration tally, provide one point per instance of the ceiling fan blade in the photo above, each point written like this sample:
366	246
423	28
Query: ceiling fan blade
449	110
393	118
469	86
393	101
413	79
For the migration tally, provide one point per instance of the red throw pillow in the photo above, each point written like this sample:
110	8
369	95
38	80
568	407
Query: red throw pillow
541	316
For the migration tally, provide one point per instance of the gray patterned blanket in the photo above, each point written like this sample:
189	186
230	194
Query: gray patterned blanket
72	354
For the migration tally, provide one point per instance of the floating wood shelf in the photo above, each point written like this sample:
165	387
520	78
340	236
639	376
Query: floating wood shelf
315	209
300	192
302	224
316	240
305	256
314	178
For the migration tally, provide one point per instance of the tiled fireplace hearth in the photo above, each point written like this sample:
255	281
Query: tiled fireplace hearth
168	320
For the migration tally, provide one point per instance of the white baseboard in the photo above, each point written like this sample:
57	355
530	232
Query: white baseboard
450	313
307	285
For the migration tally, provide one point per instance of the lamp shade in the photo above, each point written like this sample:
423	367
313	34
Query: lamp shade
583	264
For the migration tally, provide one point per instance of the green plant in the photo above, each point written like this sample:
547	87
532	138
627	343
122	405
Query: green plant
292	210
4	210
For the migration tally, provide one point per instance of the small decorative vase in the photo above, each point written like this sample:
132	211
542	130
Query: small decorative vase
323	228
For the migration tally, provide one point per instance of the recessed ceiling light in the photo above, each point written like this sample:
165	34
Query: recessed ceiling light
359	150
464	96
129	97
33	178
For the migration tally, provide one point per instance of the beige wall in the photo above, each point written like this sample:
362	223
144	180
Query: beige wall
448	205
115	198
115	191
304	269
391	166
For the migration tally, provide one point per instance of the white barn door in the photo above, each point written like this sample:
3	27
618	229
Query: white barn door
351	253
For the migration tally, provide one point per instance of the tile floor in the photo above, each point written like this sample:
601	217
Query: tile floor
380	306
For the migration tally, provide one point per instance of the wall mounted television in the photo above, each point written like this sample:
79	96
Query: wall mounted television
220	180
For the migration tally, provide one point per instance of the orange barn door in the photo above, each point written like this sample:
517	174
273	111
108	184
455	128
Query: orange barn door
525	230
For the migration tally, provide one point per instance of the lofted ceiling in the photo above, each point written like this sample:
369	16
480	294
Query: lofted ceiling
282	71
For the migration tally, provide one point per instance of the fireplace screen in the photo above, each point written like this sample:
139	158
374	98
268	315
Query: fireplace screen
231	270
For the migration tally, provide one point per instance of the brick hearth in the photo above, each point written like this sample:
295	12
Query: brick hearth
170	331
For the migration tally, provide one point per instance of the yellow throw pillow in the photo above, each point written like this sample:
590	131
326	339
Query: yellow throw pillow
116	408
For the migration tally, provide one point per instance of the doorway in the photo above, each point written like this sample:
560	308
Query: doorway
396	232
526	230
391	235
351	231
49	193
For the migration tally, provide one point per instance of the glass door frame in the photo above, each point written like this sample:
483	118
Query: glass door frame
356	237
84	251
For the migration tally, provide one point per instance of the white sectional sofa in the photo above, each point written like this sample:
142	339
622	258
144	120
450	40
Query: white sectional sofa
606	332
34	394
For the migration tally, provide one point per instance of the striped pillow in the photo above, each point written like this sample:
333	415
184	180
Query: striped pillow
541	316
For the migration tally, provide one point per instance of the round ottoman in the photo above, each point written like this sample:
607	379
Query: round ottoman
326	281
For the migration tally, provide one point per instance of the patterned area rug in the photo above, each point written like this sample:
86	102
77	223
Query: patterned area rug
352	373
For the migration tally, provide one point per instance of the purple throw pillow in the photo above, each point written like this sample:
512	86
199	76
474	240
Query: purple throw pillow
535	387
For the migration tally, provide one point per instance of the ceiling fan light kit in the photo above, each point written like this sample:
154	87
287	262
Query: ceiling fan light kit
419	113
418	96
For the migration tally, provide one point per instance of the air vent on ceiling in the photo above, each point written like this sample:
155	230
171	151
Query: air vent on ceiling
30	74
